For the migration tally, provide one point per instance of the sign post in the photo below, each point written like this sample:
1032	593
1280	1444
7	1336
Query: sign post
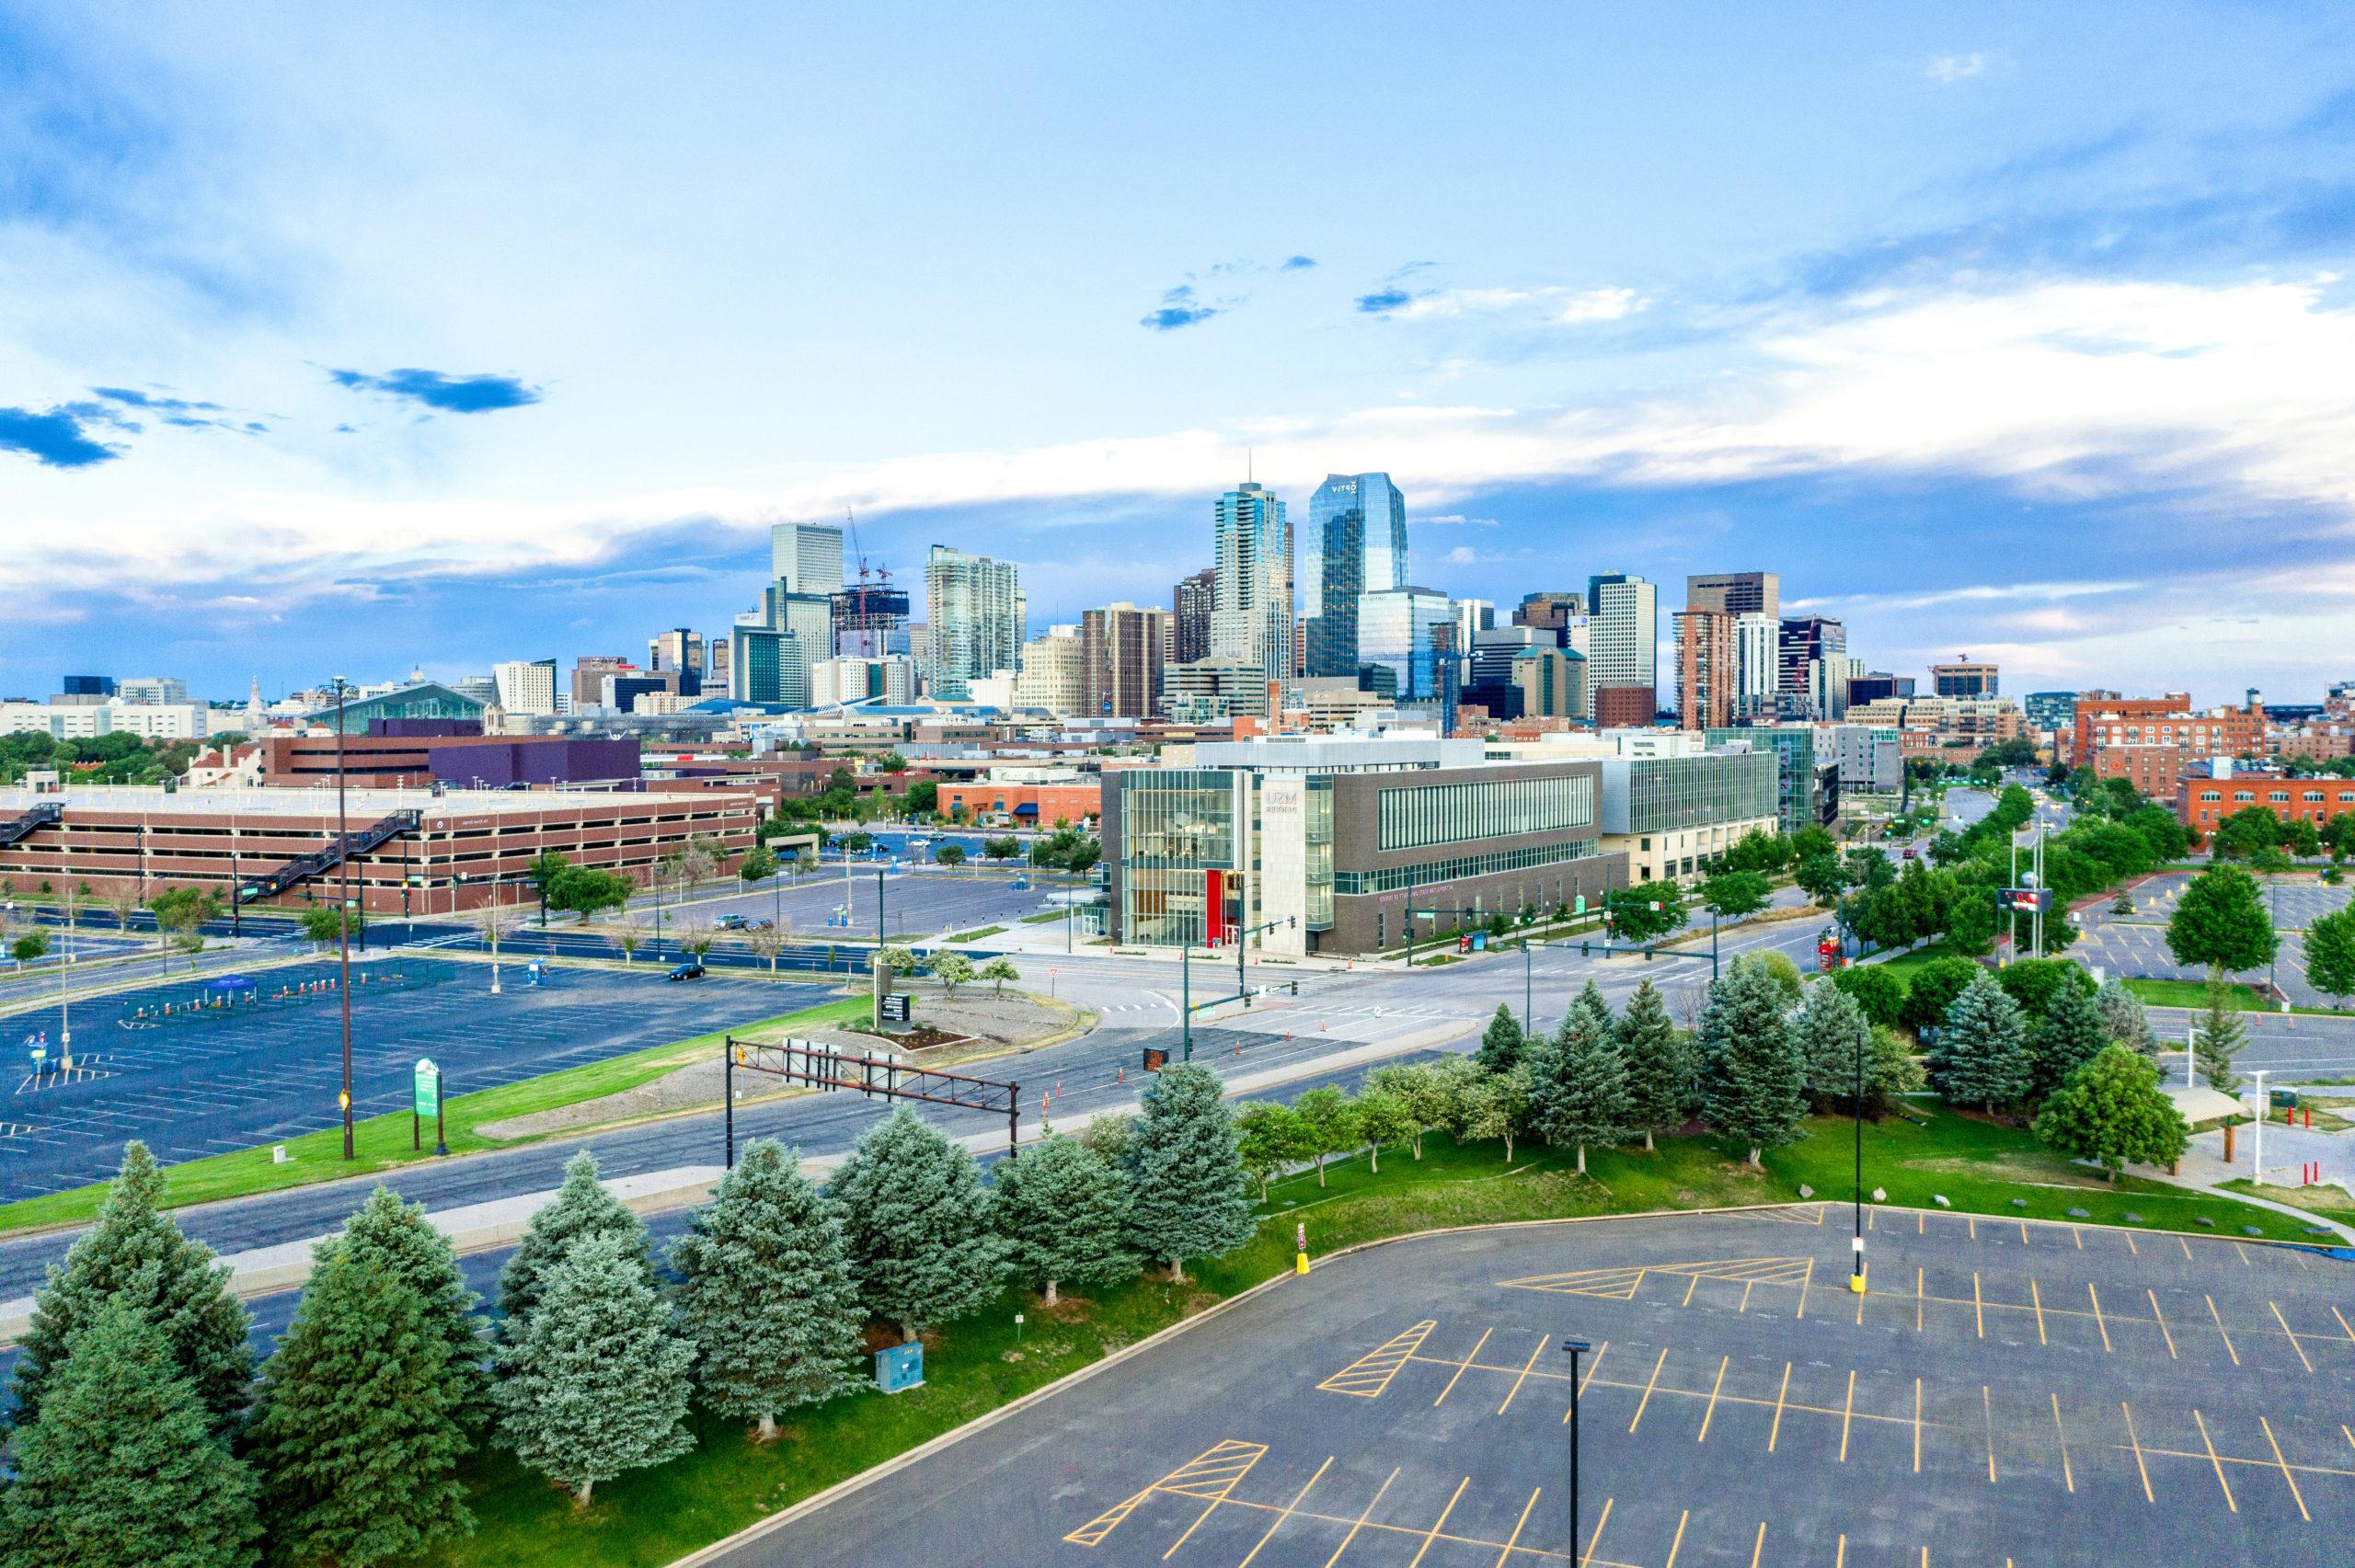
427	1101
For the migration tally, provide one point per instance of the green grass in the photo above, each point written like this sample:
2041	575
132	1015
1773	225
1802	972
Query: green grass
2194	993
1905	964
1043	916
976	933
380	1143
650	1517
2330	1202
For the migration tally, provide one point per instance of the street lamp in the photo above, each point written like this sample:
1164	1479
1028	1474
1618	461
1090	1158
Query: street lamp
1576	1348
1856	1277
343	911
2257	1133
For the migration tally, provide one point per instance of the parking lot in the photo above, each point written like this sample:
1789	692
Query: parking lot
916	904
245	1077
2007	1393
2136	945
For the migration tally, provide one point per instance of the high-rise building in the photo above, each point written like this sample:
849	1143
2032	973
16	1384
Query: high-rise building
1054	672
1395	631
807	556
1963	678
1803	640
1189	621
1251	587
526	686
1709	667
147	690
1757	639
975	616
1124	647
589	672
678	650
870	621
2051	711
1874	685
1735	593
1550	611
1625	648
1473	617
1547	682
1356	544
1827	686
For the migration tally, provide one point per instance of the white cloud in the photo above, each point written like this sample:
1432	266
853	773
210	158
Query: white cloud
1562	307
1948	69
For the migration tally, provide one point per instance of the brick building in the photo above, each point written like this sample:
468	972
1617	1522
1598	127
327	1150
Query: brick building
2203	798
2152	742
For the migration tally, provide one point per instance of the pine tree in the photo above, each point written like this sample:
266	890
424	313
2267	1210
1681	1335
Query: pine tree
594	1378
2220	1035
1590	1002
1835	1042
1660	1065
1187	1196
396	1238
2112	1110
356	1435
1500	1042
2124	1016
1981	1056
768	1302
135	1251
2069	1033
1583	1099
1754	1081
122	1466
916	1225
1064	1212
582	1207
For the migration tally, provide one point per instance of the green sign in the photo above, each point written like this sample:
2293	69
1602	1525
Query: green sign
1581	904
429	1087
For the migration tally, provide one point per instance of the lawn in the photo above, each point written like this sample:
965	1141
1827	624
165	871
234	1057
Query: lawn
382	1142
2194	994
1904	964
2331	1202
650	1517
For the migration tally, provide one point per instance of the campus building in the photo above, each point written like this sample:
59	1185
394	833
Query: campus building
2212	790
1346	845
1806	789
1672	816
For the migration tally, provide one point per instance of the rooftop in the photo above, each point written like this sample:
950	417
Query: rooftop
360	804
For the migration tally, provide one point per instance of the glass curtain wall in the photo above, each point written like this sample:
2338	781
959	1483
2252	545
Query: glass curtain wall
1177	837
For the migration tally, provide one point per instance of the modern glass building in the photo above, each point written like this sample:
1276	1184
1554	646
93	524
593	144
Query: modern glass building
1355	544
1395	630
1797	804
427	700
1251	581
1673	814
976	622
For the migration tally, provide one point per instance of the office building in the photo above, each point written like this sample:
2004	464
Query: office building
526	686
846	679
2152	742
1124	649
1397	630
1345	845
152	690
2213	788
1546	682
1801	641
1757	646
1624	647
1054	672
1622	708
1190	618
2051	713
1671	816
1806	793
1735	593
1355	544
1473	617
1963	678
589	672
1251	586
76	720
1871	757
776	646
870	621
975	620
678	652
1873	686
86	688
806	557
1827	686
1709	667
1207	689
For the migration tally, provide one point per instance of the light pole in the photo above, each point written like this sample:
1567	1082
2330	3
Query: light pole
343	913
2257	1133
1576	1348
1857	1277
1525	973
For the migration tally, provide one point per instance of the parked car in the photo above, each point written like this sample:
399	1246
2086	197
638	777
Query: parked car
729	922
690	970
758	922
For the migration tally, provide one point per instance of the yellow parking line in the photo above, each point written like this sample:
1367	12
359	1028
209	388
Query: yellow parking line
1524	1374
1588	1381
1972	1220
2293	1339
2136	1444
2161	1319
2023	1242
1464	1366
1649	1387
1978	1306
2132	1250
1804	1286
2210	1444
1761	1546
1288	1507
2067	1473
1917	1302
1710	1413
1917	1427
2342	1323
2037	1297
1784	1392
1519	1525
1596	1539
2294	1495
2078	1236
1847	1416
1695	1284
2242	1249
1987	1409
1439	1524
1840	1558
1745	1296
2185	1246
2219	1329
1673	1546
1371	1507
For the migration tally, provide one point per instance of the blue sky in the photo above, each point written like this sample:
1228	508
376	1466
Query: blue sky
441	335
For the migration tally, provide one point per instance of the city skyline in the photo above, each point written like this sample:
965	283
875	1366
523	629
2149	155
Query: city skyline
2066	288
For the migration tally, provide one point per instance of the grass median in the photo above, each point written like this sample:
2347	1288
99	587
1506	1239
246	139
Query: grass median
983	1362
381	1143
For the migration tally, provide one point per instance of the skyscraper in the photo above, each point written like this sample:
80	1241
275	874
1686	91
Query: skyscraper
1802	641
1251	587
1356	544
1735	593
1123	647
1625	651
1395	631
1190	622
526	686
807	556
1756	643
1963	678
975	620
678	650
1709	667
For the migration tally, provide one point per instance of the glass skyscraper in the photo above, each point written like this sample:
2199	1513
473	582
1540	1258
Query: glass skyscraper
1251	588
1356	544
1395	631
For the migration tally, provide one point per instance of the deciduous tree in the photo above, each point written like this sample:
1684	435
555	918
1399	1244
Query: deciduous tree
2111	1110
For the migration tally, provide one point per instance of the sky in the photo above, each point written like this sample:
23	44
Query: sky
350	339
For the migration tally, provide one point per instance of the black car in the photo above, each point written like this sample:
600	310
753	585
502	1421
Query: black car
690	970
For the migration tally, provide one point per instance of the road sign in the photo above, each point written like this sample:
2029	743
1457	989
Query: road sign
428	1086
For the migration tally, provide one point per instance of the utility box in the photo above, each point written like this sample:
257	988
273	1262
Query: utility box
901	1367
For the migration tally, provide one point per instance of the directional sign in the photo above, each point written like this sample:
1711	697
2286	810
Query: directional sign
429	1087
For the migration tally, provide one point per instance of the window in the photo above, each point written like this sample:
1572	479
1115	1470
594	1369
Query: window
2211	794
1446	814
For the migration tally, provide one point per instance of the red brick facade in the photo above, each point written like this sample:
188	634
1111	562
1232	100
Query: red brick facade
2201	802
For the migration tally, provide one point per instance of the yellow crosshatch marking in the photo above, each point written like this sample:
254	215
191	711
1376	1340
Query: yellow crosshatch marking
1796	1215
1621	1284
1369	1376
1209	1475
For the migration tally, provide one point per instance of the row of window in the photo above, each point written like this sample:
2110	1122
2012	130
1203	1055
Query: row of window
1390	879
1417	818
2279	796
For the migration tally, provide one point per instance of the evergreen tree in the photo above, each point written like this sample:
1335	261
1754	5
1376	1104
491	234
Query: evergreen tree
1754	1081
916	1225
1500	1042
356	1438
122	1465
1064	1212
1660	1065
2124	1019
398	1239
1589	1001
2111	1110
1981	1057
1835	1042
1584	1098
768	1302
594	1378
1187	1198
2069	1033
135	1251
582	1207
2220	1035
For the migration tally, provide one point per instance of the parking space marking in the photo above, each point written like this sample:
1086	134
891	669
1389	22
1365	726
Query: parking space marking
2295	1495
1644	1402
1369	1376
1917	1427
1847	1414
1782	1397
1710	1413
1987	1411
2068	1472
2094	1297
1441	1522
2135	1443
1361	1517
1676	1545
1621	1283
2292	1338
1596	1539
2219	1329
1525	1370
1512	1540
2161	1319
1207	1466
1467	1362
1289	1509
2210	1444
2037	1297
